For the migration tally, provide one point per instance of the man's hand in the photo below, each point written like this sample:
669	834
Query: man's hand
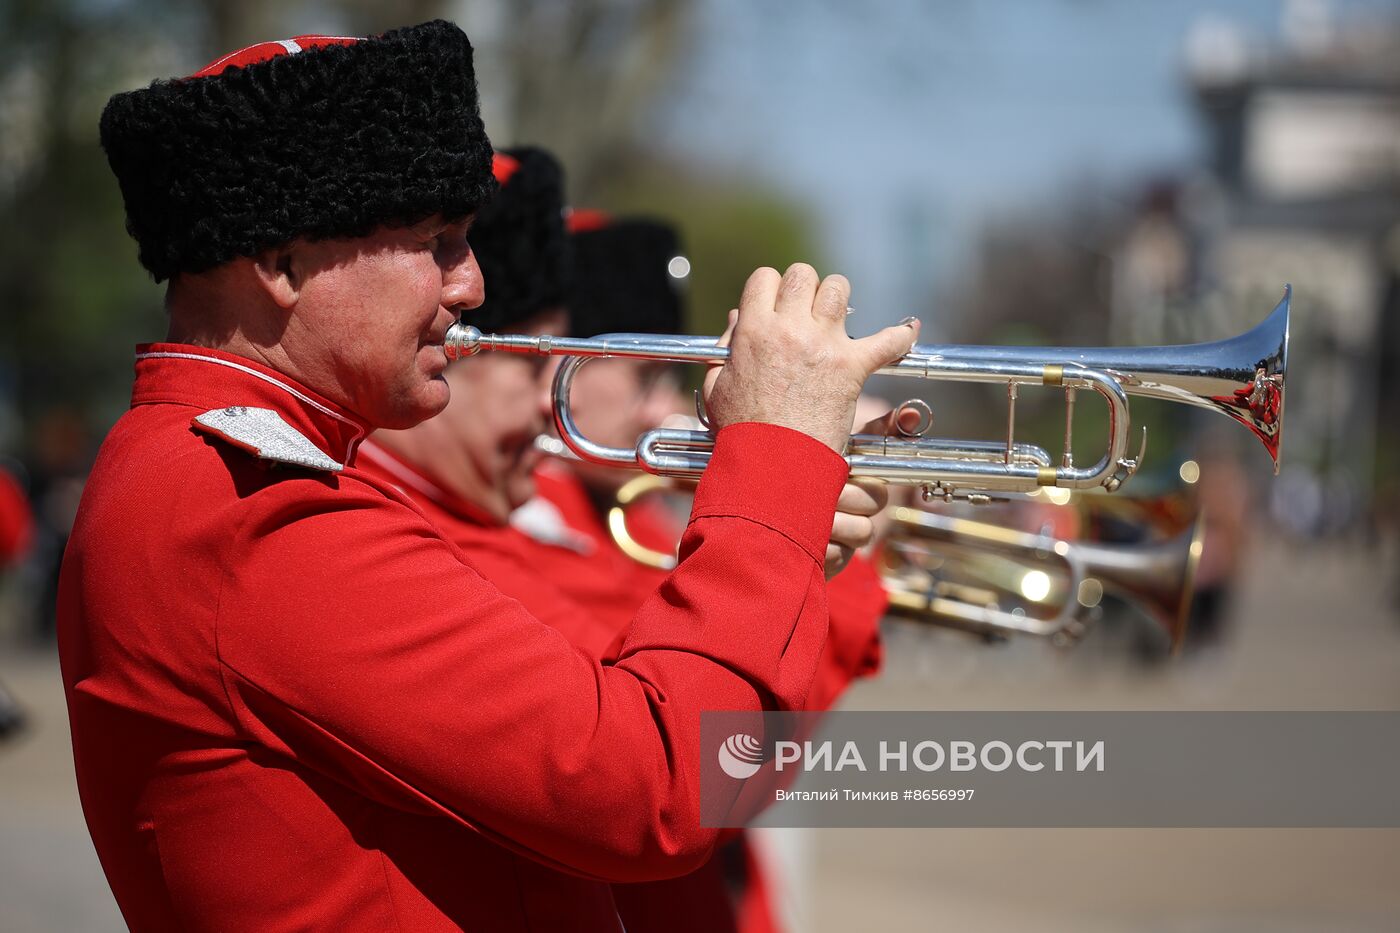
790	360
861	517
853	527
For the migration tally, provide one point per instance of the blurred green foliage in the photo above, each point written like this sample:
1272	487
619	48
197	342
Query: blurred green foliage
730	226
75	300
68	277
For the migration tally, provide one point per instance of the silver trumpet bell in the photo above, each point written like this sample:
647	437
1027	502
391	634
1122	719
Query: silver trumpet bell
1241	377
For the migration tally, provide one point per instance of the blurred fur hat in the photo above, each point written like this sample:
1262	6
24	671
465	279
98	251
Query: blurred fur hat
520	241
317	136
624	279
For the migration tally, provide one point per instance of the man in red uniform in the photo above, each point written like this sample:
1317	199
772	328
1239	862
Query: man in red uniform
467	472
295	704
16	520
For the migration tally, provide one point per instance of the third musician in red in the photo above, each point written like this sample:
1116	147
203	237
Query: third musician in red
629	277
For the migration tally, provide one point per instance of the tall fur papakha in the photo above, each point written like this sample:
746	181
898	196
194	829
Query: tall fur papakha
521	243
330	142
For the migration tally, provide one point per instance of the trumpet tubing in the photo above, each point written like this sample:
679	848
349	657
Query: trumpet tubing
1241	377
631	491
995	562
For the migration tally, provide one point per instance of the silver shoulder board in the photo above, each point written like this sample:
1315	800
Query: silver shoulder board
263	433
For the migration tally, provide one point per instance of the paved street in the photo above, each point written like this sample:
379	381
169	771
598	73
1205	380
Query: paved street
50	880
1312	631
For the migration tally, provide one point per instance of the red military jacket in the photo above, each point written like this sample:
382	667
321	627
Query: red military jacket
295	705
568	544
571	547
579	581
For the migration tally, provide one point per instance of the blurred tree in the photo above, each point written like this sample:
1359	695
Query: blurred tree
1045	276
729	227
1041	277
576	77
67	271
74	295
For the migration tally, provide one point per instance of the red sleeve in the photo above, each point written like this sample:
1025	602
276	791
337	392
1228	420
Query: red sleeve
857	601
507	562
393	667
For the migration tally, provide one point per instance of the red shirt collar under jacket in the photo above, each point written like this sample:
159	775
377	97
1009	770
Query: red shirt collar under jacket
419	484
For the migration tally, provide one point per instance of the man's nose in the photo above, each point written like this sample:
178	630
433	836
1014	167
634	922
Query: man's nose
462	286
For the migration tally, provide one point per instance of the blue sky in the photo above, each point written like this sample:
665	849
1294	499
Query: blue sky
903	125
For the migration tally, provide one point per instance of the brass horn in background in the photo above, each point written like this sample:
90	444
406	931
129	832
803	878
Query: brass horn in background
999	566
994	566
632	490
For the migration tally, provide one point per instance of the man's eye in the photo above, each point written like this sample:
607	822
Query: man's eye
453	237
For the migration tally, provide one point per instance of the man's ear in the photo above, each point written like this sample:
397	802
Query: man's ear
278	272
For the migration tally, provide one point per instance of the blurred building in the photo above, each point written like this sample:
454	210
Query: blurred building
1301	185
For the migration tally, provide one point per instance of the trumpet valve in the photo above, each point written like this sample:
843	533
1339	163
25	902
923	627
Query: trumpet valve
921	409
1127	466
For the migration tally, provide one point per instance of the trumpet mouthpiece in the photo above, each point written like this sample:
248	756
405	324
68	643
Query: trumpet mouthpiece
462	340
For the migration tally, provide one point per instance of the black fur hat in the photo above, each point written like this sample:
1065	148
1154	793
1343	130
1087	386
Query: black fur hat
625	280
313	137
520	241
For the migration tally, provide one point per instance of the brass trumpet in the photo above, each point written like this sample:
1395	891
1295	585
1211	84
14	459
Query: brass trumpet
632	490
996	566
1241	377
1006	565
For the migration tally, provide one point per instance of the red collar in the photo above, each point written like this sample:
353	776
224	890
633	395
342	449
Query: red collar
179	374
418	484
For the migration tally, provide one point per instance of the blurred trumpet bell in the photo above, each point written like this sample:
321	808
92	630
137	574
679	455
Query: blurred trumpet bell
988	579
